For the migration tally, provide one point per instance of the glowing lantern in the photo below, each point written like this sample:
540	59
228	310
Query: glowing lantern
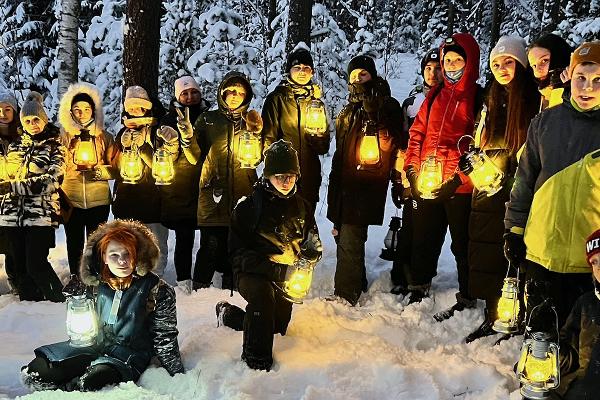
391	240
508	307
316	119
82	326
369	146
486	177
538	367
430	177
85	156
249	150
132	167
163	170
298	280
3	169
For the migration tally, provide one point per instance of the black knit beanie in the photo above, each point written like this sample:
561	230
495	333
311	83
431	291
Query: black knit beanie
299	56
433	55
363	62
560	51
281	158
455	48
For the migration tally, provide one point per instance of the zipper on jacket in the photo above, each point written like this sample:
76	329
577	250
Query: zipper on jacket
84	194
299	131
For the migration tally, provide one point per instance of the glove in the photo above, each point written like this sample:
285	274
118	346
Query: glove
184	126
447	189
312	248
411	174
278	273
254	122
514	248
168	134
397	193
4	188
464	164
126	139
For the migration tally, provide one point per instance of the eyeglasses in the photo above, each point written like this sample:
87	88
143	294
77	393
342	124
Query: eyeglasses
284	178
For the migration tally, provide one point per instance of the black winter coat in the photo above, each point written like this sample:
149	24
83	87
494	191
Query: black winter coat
222	181
578	337
179	200
267	232
357	195
283	117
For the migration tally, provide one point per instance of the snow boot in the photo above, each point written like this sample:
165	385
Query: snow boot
74	287
230	315
399	290
339	299
34	383
200	285
185	286
418	292
461	304
485	329
257	362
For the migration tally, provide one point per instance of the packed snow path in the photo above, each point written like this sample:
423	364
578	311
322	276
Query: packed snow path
381	349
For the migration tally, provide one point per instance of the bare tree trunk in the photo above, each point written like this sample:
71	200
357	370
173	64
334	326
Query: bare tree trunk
141	44
497	17
68	65
451	16
299	20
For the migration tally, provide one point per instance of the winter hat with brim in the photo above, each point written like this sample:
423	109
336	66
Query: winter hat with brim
8	98
363	62
281	158
433	55
592	245
34	107
510	46
136	96
560	51
185	83
589	52
299	56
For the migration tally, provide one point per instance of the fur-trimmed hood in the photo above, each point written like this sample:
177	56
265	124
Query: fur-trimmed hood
64	111
147	250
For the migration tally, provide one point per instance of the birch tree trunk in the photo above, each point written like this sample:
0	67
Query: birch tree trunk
67	45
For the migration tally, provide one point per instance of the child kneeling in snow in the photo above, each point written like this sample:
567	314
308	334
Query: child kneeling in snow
136	315
579	337
271	230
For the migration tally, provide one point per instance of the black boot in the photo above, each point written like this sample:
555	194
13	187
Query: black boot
74	287
399	290
230	315
418	292
461	304
485	329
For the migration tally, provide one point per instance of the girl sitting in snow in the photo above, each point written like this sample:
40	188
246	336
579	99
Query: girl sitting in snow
136	313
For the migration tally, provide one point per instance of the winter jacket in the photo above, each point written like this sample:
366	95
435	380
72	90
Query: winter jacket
447	114
410	108
146	321
284	114
557	186
36	166
357	195
139	201
578	337
267	231
222	181
81	191
179	200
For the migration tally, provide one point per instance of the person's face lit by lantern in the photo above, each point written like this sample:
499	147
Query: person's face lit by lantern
301	74
118	259
453	62
7	114
503	68
82	112
190	97
360	75
234	96
136	111
585	85
539	59
284	183
32	124
432	74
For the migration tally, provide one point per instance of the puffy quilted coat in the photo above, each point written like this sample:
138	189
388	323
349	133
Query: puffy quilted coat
447	114
36	166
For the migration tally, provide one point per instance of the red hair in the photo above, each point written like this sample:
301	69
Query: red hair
127	239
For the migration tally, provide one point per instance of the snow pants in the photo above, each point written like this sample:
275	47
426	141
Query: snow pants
267	313
350	271
185	234
28	248
431	219
401	265
81	223
162	236
213	256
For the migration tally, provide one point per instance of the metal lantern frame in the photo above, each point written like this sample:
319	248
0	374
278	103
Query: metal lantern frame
131	166
430	177
486	176
391	239
509	304
369	151
315	123
248	150
85	155
82	322
163	170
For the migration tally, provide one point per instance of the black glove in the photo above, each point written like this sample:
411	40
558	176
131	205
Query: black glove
397	193
514	248
277	274
464	164
411	174
447	189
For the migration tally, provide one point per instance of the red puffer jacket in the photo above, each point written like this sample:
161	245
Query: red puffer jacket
437	128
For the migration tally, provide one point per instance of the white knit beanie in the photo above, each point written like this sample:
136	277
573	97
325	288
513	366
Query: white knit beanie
184	83
136	96
512	46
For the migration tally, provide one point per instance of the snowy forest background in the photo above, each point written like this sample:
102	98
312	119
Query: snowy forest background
208	38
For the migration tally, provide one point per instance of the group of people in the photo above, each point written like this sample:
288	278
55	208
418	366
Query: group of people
535	121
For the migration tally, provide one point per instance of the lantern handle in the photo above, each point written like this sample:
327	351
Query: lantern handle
461	138
512	267
535	309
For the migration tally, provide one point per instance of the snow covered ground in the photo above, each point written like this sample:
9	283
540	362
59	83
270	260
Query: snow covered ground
381	349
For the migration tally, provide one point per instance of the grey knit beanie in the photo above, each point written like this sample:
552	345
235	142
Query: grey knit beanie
512	46
8	98
34	106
